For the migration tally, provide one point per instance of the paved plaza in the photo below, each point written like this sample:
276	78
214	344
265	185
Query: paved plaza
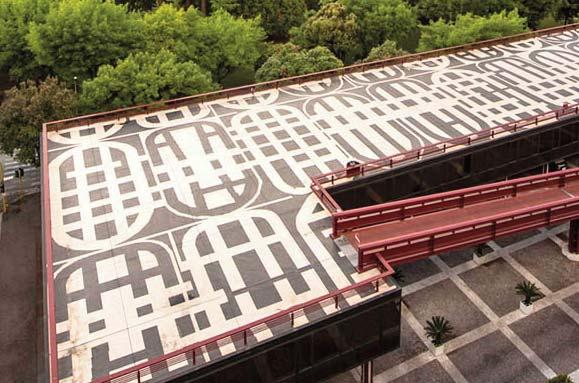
176	226
493	341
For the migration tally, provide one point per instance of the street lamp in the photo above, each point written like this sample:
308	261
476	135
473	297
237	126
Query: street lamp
75	78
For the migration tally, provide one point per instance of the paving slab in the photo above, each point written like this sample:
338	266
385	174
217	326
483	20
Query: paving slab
417	271
494	282
432	372
573	301
553	336
494	358
457	257
410	346
546	262
507	241
445	299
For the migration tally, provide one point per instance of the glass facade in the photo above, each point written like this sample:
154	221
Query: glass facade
316	351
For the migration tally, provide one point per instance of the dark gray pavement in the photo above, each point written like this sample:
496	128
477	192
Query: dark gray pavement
20	294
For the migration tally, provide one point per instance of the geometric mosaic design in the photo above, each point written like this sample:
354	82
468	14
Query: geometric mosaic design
176	226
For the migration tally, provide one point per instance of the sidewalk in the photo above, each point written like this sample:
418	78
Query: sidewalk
21	293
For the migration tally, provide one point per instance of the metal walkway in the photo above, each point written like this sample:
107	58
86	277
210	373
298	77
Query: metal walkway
416	228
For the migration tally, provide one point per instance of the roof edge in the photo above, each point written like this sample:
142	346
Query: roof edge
127	112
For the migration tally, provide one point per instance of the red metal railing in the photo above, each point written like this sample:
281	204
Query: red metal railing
319	182
47	239
241	337
413	246
400	210
297	80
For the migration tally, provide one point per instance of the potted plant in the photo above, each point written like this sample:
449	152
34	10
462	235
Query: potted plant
399	276
438	330
478	255
530	292
560	379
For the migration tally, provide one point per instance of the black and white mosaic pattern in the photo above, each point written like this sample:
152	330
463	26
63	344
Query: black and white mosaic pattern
173	227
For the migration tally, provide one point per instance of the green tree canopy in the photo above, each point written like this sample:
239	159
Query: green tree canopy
277	16
536	10
24	110
142	78
289	60
387	50
219	43
81	35
333	27
469	28
449	10
382	19
15	55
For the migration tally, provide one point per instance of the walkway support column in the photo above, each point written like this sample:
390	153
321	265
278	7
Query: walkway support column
574	236
367	375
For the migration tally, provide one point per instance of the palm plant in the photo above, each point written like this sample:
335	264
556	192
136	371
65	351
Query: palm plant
438	329
479	249
398	275
529	290
560	379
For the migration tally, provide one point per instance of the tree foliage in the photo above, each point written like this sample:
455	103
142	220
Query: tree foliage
277	16
15	55
381	20
289	60
81	35
24	110
563	378
219	43
333	27
469	28
438	330
387	50
142	78
567	10
449	10
536	10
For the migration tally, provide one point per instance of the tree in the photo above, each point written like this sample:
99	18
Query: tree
289	60
387	50
567	10
81	35
536	10
139	5
333	27
142	78
219	43
15	55
382	19
24	110
277	16
528	290
469	28
231	6
438	330
449	10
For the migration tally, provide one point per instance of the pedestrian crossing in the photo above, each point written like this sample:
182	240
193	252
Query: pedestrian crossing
30	181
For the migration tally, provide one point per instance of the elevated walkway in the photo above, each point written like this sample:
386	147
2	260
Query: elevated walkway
408	230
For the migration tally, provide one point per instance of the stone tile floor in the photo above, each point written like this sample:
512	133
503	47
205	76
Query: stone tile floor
493	341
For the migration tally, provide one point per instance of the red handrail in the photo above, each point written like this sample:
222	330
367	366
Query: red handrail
251	89
414	155
289	315
47	239
422	244
401	210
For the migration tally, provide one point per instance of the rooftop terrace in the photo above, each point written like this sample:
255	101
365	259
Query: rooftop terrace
172	227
